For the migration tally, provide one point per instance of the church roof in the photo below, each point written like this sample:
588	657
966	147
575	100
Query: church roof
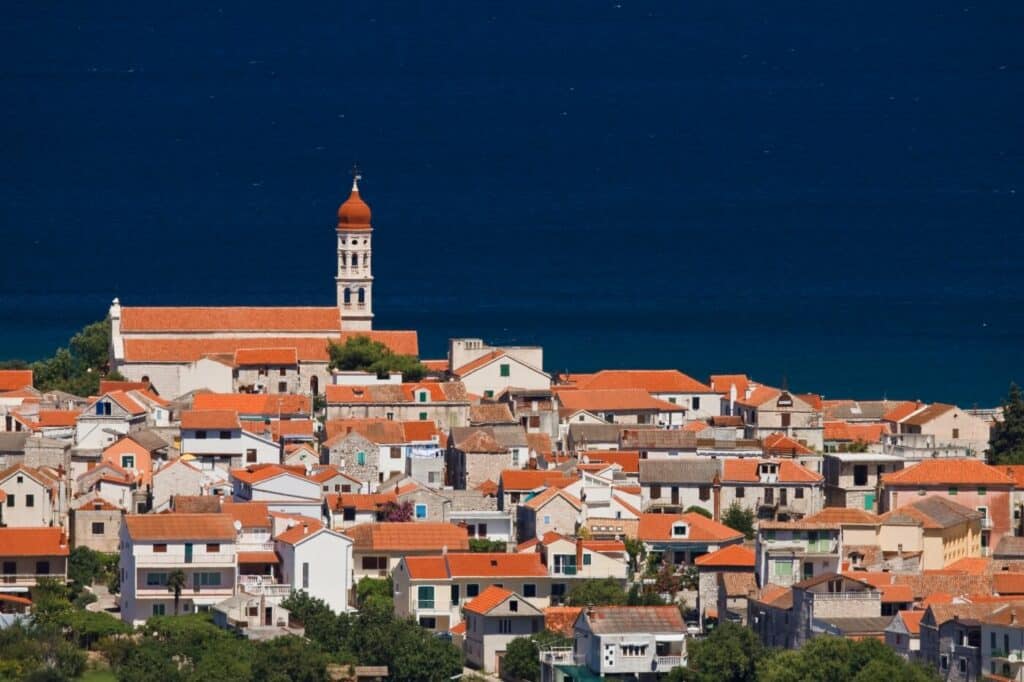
235	318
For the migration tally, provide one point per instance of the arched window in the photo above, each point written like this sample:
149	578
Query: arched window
362	296
344	260
347	298
314	385
355	260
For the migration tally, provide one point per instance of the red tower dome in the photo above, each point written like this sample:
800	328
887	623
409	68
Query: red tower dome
354	214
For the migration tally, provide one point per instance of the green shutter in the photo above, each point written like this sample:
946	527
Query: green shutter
505	370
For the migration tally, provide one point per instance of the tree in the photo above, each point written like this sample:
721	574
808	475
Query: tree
730	653
522	659
1007	443
361	353
87	566
740	519
375	588
77	369
289	659
694	509
834	659
486	546
603	592
636	551
176	582
642	596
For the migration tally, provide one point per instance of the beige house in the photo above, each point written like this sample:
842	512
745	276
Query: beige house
95	523
444	403
379	547
174	479
940	529
491	374
852	478
936	428
553	510
493	619
582	559
30	554
30	497
766	411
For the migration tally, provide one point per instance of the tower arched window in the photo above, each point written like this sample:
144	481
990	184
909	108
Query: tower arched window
355	260
347	296
362	296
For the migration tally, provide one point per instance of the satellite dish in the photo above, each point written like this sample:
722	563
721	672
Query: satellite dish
238	525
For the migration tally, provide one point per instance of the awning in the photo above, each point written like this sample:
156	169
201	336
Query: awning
674	637
258	558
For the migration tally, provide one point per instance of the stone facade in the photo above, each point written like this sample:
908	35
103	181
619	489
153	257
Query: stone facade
356	456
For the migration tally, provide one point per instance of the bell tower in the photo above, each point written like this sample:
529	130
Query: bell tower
355	248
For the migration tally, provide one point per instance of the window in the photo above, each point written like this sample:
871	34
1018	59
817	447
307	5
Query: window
472	590
160	549
506	370
282	387
348	514
982	490
421	511
428	622
201	435
672	400
374	563
30	500
250	456
283	372
992	640
423	416
633	650
952	491
212	548
741	491
963	665
587	559
529	590
159	610
482	530
505	626
455	595
361	458
10	500
784	567
211	579
956	434
547	520
305	575
98	528
225	435
655	492
860	474
425	597
798	493
557	589
695	402
127	461
705	493
679	530
396	453
422	396
513	606
156	579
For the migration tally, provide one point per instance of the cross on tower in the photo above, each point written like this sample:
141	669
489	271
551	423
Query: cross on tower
356	177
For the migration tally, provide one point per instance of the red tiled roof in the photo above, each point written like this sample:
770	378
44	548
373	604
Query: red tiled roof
249	514
745	471
309	349
427	567
845	516
13	379
970	565
759	396
435	365
299	532
948	472
912	621
478	362
628	460
896	594
733	555
55	419
539	443
210	419
901	411
781	444
488	487
264	404
529	479
613	400
853	433
561	619
417	536
1009	583
650	380
258	558
108	385
155	527
496	564
200	319
458	628
262	472
266	356
722	383
487	600
541	499
658	528
364	502
696	427
17	542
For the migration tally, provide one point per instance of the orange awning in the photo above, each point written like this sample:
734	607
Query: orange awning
258	558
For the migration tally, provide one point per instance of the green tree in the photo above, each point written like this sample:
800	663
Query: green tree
176	582
636	551
486	546
730	654
603	592
78	368
361	353
381	589
87	566
522	659
740	519
834	659
694	509
289	659
1007	443
643	596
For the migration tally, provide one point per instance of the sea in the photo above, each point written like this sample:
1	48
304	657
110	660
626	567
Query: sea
826	194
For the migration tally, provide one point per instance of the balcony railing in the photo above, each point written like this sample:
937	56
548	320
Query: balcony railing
986	522
560	656
1015	656
206	559
845	596
265	585
29	578
565	570
668	662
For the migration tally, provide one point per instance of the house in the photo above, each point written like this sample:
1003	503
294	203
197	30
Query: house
95	523
941	530
444	403
107	418
852	478
496	371
317	560
736	562
1002	643
766	411
968	482
433	589
30	554
554	509
676	484
300	454
835	604
475	454
681	538
951	639
153	546
936	430
641	642
31	497
284	490
131	456
592	435
790	551
517	485
614	406
378	547
491	414
773	488
343	510
843	436
256	407
576	558
334	480
216	440
179	477
904	634
769	613
387	446
670	385
534	408
493	619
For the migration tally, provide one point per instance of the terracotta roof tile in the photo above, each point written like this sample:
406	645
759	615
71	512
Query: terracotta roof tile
418	536
308	349
299	532
541	499
561	619
491	413
252	404
262	472
723	383
427	567
658	528
613	400
261	557
854	433
173	527
912	621
15	542
650	380
745	471
629	460
210	419
540	443
781	444
199	319
266	356
494	565
948	472
896	594
13	379
478	362
1009	583
249	514
845	516
529	479
902	411
733	555
487	600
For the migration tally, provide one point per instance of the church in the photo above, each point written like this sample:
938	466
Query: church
260	349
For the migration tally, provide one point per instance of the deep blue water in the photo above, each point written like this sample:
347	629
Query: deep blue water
825	191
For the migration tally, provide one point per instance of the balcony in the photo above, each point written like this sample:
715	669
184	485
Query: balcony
666	663
161	592
1015	656
29	579
986	523
225	559
265	585
560	656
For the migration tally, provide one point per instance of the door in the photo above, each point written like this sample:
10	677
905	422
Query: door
782	496
188	552
869	502
268	615
675	495
808	570
769	495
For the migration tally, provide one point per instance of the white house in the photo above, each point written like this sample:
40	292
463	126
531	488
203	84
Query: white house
106	419
284	490
29	497
496	371
630	640
215	439
153	546
670	385
318	561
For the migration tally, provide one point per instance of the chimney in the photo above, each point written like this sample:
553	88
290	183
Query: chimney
305	528
579	553
716	493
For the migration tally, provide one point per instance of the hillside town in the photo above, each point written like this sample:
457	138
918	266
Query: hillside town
237	462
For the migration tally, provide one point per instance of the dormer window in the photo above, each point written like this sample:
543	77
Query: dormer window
679	530
422	396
